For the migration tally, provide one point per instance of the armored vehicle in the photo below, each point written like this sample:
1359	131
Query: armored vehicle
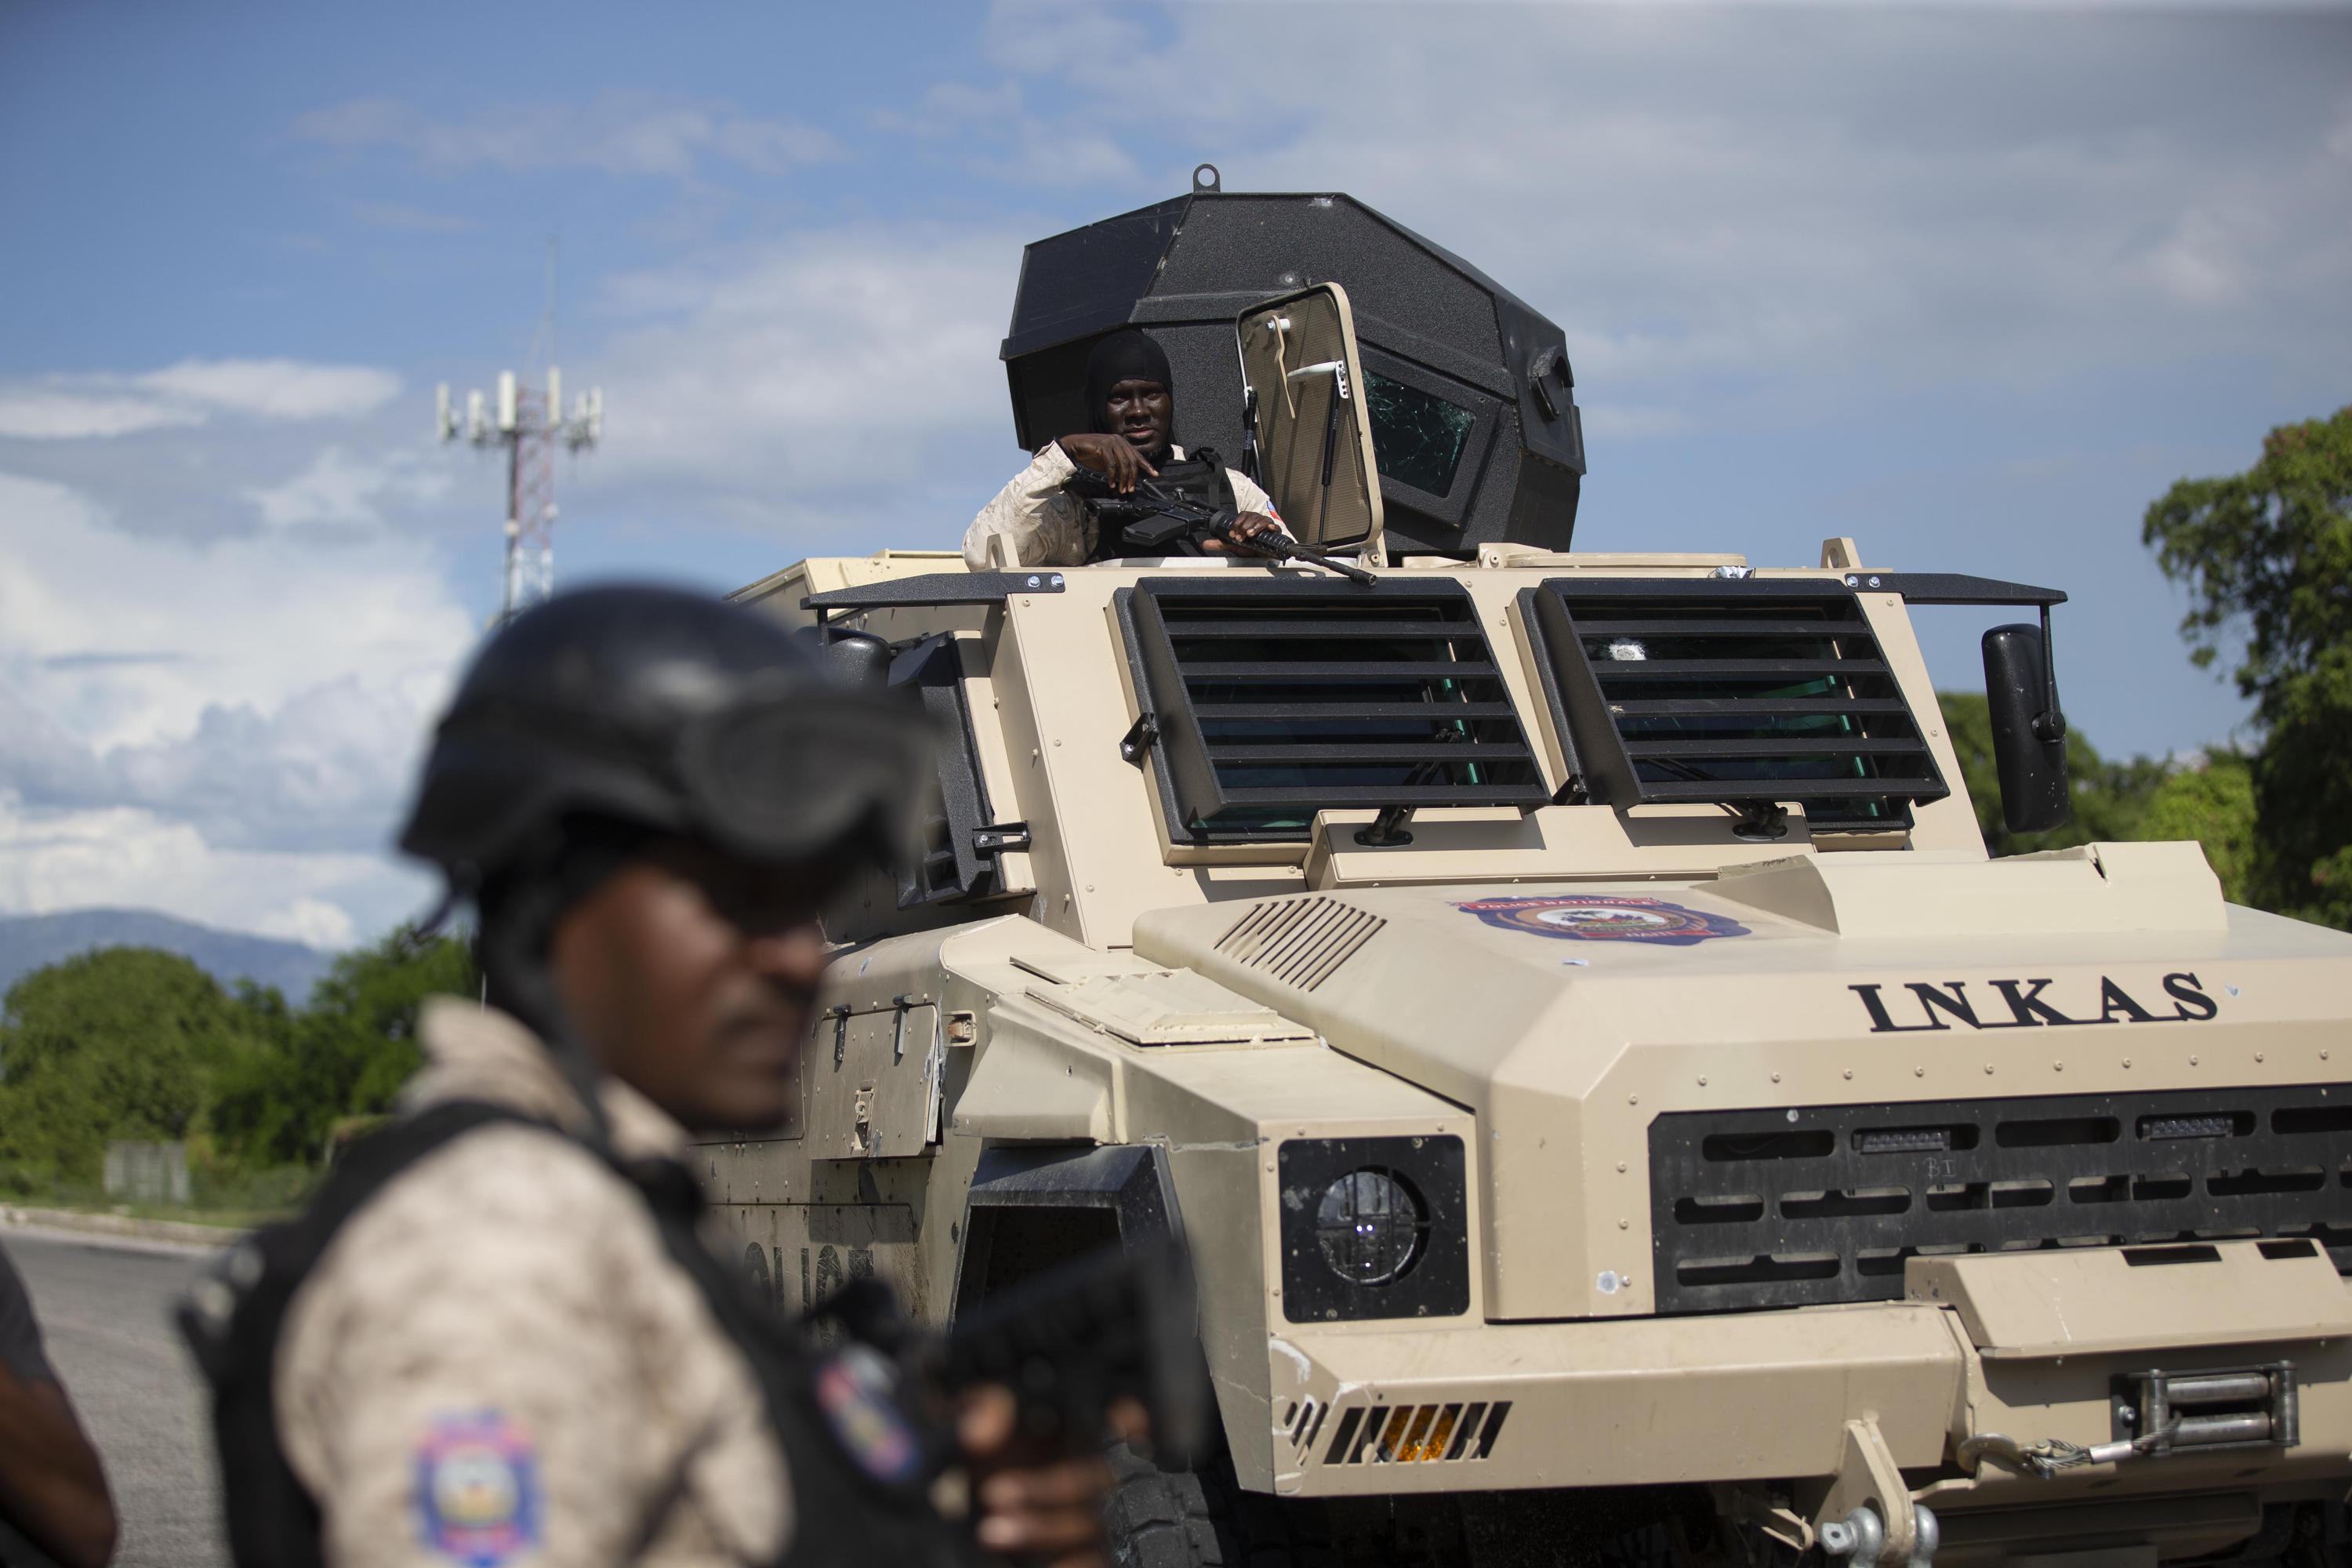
1615	1108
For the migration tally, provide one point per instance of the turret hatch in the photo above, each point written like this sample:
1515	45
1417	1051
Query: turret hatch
1307	421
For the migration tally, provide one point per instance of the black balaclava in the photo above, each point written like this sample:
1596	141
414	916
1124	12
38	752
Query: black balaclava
1125	355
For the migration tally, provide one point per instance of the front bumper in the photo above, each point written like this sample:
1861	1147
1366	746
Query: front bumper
1623	1402
2032	1344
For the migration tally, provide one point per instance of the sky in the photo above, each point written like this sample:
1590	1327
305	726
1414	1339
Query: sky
1971	283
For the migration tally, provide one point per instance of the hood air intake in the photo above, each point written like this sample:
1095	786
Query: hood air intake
1273	699
1731	692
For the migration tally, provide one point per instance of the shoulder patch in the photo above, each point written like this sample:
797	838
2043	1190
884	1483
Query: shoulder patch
857	1390
478	1498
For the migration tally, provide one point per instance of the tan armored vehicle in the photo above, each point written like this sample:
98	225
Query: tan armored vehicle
1614	1108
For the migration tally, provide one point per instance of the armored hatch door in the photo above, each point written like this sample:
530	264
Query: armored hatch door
1305	385
874	1081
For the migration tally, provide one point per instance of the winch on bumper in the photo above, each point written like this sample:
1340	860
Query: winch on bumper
2002	1384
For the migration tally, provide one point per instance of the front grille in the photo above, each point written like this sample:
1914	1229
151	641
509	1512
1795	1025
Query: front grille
1274	698
1730	691
1823	1204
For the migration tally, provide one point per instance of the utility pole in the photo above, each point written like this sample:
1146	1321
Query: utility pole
530	424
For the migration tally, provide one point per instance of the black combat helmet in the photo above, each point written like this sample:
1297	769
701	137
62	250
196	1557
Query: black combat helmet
662	711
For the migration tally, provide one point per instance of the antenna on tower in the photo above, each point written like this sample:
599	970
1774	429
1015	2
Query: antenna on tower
529	424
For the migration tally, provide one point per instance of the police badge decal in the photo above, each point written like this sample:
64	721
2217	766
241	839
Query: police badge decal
1605	917
478	1495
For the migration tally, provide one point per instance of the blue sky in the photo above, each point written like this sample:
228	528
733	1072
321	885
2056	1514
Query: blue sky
1972	284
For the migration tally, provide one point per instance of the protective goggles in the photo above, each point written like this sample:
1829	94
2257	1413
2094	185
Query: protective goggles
800	775
796	772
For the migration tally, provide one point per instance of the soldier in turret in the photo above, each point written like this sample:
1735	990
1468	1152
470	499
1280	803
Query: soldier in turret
1036	521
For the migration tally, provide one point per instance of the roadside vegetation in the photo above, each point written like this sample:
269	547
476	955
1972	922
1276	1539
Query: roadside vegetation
2265	557
130	1043
2209	798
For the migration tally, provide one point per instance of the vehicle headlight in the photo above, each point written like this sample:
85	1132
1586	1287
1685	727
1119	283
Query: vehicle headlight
1373	1227
1370	1226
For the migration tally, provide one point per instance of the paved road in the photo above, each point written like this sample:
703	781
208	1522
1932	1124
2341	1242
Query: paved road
104	1311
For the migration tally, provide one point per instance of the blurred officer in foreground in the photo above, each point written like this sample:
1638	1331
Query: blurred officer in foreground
1034	521
51	1486
497	1337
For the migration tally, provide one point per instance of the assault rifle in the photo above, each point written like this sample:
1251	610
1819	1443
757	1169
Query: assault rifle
1154	517
1070	1343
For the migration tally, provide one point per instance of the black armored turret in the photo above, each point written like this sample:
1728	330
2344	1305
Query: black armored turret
1474	414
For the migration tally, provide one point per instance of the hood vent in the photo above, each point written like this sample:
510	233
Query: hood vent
1731	692
1274	698
1302	943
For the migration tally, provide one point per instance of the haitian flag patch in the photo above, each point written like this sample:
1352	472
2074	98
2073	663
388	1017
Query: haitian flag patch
857	1390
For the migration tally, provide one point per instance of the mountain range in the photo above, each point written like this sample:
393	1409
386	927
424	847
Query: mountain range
31	942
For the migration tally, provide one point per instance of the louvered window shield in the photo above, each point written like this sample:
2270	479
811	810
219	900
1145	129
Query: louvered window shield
1730	693
1271	699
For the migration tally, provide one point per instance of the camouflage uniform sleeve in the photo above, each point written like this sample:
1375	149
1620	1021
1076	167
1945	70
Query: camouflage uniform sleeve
1249	496
1032	521
495	1363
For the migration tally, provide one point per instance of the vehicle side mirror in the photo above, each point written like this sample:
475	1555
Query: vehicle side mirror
2028	733
852	657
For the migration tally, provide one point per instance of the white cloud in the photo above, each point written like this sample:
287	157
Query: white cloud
343	488
34	414
63	859
76	408
1810	197
1041	37
618	132
328	769
258	692
815	378
992	132
275	388
314	922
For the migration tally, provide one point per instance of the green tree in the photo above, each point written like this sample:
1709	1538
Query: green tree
2110	799
2267	557
122	1043
345	1054
2214	804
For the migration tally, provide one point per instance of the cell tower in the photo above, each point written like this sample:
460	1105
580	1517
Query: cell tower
529	426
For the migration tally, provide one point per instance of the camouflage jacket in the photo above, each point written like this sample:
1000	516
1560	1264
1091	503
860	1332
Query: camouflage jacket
496	1361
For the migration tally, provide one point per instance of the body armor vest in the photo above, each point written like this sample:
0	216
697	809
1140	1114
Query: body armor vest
1199	478
842	1514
